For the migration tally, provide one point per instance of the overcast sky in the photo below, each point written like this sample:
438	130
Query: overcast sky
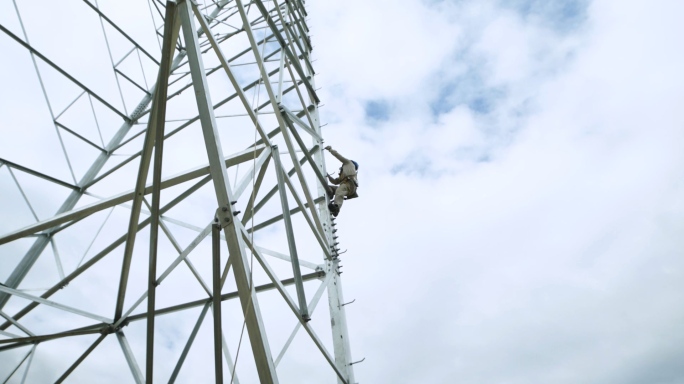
521	185
521	189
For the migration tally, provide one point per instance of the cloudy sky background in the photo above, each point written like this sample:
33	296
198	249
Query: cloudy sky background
521	192
521	183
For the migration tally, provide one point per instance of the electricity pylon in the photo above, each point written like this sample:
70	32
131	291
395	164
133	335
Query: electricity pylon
169	220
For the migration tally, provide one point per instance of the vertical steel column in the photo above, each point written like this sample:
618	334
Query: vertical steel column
171	29
303	310
338	317
231	228
216	298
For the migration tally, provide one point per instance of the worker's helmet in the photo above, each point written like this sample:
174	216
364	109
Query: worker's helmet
356	165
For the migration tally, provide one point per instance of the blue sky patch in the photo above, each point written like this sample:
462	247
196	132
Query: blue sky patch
468	90
562	16
377	110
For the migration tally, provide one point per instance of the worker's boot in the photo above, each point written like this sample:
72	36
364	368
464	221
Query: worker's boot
334	208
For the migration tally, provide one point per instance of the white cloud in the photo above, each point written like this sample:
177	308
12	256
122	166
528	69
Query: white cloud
558	259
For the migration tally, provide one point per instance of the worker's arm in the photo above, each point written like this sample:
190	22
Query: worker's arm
334	180
337	155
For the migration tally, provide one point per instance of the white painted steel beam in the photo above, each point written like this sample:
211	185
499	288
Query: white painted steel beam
249	301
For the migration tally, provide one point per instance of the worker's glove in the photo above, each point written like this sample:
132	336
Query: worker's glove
328	148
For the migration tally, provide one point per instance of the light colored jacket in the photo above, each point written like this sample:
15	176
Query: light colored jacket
348	172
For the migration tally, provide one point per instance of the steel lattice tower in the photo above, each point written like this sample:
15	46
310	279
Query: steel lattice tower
190	213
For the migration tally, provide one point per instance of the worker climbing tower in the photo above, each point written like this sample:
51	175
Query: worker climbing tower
163	202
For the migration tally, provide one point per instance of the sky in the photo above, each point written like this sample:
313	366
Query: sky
521	187
520	173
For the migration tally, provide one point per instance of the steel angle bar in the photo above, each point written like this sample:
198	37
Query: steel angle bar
131	81
80	359
16	323
299	122
291	36
216	300
23	195
297	273
304	149
279	95
229	360
63	72
249	209
185	225
301	8
287	258
231	160
339	325
64	127
277	218
63	307
187	251
250	306
323	241
171	30
130	358
123	197
276	130
28	365
281	122
38	174
97	123
317	275
156	123
21	341
284	46
107	250
231	76
21	362
312	307
305	106
211	71
182	257
188	344
260	162
58	260
102	15
125	56
305	57
216	106
286	296
9	334
39	245
201	31
300	22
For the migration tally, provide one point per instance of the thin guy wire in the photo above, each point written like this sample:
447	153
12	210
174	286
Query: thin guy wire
251	262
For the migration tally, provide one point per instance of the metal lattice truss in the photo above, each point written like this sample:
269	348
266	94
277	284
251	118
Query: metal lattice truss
131	267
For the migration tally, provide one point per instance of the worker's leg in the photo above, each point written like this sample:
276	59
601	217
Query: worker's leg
331	191
340	193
